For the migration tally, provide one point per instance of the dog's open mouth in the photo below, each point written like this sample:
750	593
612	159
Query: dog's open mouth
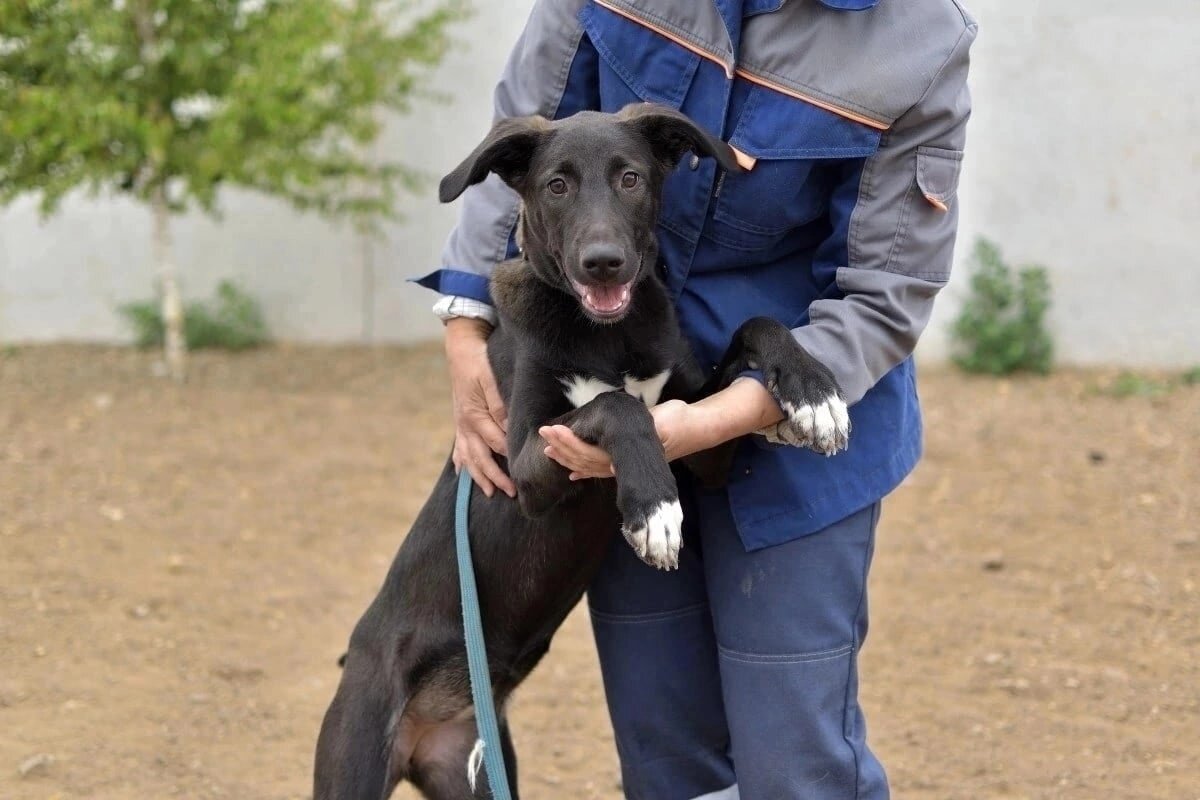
605	302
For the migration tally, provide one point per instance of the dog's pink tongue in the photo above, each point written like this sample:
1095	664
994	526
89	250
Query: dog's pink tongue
607	298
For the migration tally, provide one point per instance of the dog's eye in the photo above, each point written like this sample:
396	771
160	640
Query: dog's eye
557	186
630	180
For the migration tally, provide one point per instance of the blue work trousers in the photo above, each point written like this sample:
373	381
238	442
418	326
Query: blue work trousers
736	677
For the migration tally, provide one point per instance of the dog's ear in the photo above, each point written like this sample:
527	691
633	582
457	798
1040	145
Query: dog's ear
671	134
506	150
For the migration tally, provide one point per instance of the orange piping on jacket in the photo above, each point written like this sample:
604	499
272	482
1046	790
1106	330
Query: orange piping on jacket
841	112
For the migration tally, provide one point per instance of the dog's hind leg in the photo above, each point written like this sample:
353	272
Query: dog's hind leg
354	748
448	762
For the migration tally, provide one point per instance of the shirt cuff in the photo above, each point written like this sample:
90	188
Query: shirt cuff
454	306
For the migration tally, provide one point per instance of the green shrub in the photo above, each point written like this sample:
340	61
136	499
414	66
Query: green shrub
1002	326
232	320
1191	377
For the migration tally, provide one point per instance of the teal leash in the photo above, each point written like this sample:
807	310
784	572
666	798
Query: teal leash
477	662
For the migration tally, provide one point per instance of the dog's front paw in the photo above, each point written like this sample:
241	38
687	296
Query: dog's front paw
815	413
815	410
824	426
657	535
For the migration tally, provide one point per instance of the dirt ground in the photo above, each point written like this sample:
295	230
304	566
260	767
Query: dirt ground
180	569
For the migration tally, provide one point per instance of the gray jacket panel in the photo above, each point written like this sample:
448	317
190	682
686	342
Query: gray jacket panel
902	234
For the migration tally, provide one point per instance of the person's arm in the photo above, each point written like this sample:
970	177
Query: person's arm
744	407
551	72
894	220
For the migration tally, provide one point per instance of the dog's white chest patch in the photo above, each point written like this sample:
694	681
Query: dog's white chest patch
648	390
581	389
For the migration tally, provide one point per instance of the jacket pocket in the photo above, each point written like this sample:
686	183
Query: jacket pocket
794	147
637	64
937	175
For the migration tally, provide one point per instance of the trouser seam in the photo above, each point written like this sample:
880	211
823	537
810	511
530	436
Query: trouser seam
637	619
785	658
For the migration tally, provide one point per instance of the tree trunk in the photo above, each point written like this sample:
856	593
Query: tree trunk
174	344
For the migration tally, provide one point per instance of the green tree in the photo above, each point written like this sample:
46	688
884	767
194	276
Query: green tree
169	100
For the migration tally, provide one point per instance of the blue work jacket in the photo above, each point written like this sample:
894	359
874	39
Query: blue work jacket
850	116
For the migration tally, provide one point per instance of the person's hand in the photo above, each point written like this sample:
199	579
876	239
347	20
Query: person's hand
480	419
678	426
582	459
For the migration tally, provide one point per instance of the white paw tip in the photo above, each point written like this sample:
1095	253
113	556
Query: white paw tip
823	426
658	539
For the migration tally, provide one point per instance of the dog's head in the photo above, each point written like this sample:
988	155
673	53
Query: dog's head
591	186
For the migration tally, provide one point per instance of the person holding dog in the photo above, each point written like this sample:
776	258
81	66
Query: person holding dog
736	676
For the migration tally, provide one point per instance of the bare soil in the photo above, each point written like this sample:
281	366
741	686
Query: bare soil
180	569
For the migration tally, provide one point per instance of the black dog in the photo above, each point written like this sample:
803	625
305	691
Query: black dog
587	338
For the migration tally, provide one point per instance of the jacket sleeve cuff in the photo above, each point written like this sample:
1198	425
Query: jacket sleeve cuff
457	282
756	374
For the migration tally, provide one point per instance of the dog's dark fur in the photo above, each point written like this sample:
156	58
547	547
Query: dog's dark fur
403	709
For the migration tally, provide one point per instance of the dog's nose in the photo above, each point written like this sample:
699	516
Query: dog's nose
602	260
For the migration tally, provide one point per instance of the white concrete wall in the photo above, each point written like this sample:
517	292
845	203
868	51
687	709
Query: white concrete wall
1083	156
